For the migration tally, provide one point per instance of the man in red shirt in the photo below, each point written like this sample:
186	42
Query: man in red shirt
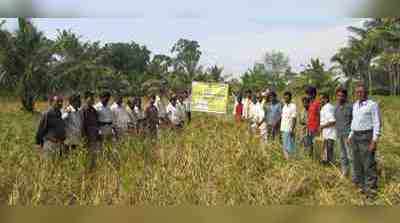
313	117
239	109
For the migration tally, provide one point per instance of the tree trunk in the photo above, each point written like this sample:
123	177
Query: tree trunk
369	81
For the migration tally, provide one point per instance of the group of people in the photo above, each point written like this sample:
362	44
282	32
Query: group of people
354	127
62	129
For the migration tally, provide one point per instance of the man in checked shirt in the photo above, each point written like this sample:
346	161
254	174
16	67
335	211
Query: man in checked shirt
363	138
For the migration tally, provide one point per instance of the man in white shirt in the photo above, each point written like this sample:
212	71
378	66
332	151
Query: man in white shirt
121	118
73	122
247	104
288	125
173	113
161	105
363	138
105	116
259	124
136	113
327	126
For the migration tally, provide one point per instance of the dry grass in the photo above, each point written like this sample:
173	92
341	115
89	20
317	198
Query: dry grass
212	162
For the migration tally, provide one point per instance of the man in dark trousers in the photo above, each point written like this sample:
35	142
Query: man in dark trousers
363	138
51	133
344	116
90	127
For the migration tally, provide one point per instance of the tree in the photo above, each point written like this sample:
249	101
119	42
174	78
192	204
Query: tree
277	63
315	74
27	56
187	57
79	65
126	57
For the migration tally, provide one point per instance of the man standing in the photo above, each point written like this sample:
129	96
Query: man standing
313	117
247	104
173	113
288	125
261	126
73	122
105	116
152	119
136	113
51	133
90	127
161	104
187	105
327	125
363	138
303	120
273	115
343	116
121	118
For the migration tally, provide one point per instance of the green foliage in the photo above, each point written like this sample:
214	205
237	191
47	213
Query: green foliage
315	75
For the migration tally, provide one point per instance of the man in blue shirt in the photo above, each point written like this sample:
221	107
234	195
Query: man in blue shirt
273	113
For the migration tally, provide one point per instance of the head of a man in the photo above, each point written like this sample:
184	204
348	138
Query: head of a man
173	100
137	101
105	97
272	97
306	102
311	92
56	101
324	98
75	101
341	96
260	98
249	94
119	100
287	97
152	100
361	92
239	99
89	98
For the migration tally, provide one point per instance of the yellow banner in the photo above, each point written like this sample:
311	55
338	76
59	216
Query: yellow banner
209	97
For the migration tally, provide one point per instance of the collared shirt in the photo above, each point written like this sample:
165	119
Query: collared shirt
104	112
187	103
121	117
136	114
51	127
314	116
273	113
90	124
173	114
73	124
366	116
343	116
152	118
328	116
258	112
180	106
247	104
289	113
161	105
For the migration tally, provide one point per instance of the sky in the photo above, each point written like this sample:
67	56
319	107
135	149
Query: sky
232	34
